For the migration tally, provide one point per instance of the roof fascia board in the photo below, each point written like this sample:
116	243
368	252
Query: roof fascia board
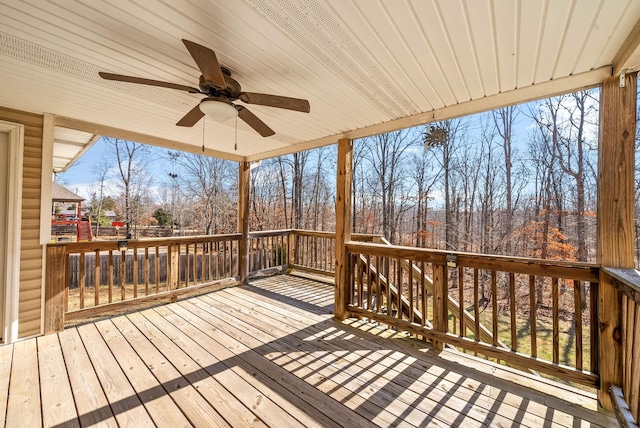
628	57
138	137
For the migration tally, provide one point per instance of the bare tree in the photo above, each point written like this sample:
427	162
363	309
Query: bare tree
504	119
385	156
131	160
207	180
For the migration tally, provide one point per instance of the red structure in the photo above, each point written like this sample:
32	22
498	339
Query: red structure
68	218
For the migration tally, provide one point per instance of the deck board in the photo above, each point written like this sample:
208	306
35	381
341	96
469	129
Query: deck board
267	354
6	354
23	404
55	388
381	370
91	402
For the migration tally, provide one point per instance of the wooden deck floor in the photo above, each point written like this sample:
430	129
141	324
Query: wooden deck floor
267	354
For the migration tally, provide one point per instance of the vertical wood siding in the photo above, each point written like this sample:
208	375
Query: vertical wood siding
30	250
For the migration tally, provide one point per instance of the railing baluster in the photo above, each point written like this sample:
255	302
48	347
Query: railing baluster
411	298
476	305
494	307
425	296
369	282
387	265
82	279
593	327
123	272
577	302
157	266
556	323
461	299
96	276
135	273
225	272
532	316
202	263
146	271
110	276
513	310
359	271
187	262
398	268
378	285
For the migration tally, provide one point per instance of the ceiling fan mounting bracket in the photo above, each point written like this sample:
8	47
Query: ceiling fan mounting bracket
232	90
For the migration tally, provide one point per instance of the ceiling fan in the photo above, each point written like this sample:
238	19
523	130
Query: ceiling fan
221	91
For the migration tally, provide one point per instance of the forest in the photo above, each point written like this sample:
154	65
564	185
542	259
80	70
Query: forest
520	180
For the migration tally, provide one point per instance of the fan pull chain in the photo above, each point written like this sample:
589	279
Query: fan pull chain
236	136
204	121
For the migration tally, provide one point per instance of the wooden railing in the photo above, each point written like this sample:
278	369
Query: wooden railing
268	249
626	397
86	278
534	314
315	251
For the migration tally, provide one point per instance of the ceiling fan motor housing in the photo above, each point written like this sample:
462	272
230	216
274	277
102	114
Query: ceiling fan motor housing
232	91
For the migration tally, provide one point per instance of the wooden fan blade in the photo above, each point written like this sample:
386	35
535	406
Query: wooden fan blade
150	82
207	62
253	121
275	101
191	118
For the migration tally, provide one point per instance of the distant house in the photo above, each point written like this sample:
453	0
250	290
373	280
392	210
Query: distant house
110	215
62	220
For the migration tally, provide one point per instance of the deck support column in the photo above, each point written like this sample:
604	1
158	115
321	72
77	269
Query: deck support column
244	176
616	167
55	289
343	226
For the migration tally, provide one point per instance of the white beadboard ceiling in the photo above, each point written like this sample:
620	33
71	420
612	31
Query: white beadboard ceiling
366	66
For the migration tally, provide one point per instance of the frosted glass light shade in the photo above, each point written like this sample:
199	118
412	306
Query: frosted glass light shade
218	109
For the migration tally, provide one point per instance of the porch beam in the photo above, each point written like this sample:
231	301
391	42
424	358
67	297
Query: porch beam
343	226
244	176
616	162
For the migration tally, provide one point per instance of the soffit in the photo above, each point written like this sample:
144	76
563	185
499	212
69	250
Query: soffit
365	66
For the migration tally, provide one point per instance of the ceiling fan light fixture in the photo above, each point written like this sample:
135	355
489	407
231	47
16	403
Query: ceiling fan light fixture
218	108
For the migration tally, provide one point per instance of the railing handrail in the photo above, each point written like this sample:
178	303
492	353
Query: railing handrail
79	247
626	280
524	265
265	233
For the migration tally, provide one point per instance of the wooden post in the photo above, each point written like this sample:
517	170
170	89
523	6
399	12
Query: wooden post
244	176
55	289
343	226
440	300
616	162
291	248
173	266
